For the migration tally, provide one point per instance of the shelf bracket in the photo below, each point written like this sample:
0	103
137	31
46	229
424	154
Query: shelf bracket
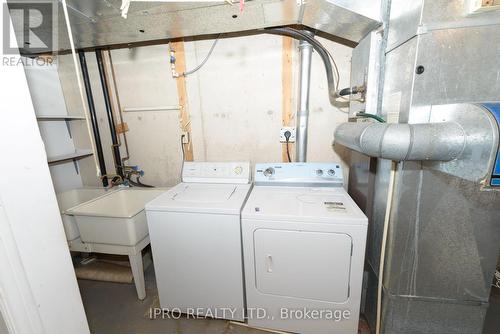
68	126
75	163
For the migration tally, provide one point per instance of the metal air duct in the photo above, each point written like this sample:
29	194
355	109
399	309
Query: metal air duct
431	141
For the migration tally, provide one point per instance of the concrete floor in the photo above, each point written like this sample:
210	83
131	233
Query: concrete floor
492	323
114	308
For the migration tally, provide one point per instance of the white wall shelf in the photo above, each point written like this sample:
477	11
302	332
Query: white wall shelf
66	118
74	156
56	124
59	118
78	154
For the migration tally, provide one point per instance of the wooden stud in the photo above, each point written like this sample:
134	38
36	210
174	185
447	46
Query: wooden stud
287	93
121	127
185	122
490	3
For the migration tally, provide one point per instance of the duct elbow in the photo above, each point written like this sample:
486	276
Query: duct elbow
412	142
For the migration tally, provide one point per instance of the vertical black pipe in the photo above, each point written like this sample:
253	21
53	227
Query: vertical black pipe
109	112
93	117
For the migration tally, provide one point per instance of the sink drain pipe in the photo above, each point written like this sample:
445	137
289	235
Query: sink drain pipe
93	117
109	113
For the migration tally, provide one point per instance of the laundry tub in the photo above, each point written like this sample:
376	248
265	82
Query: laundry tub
116	218
71	198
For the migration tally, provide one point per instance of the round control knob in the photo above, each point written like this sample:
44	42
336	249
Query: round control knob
238	170
269	172
319	172
331	172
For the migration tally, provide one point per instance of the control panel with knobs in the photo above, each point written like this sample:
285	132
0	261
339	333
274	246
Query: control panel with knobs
269	171
238	170
216	172
296	174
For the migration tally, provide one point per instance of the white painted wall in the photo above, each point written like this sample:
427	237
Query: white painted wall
235	104
38	288
235	99
3	325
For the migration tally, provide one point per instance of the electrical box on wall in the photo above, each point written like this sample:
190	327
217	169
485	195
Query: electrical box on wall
185	137
283	132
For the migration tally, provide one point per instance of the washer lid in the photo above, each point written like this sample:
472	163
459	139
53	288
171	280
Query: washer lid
204	193
203	198
303	204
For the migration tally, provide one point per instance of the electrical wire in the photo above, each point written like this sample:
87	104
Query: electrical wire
335	70
138	183
287	135
185	74
182	148
324	54
183	154
143	184
373	116
288	151
385	232
318	43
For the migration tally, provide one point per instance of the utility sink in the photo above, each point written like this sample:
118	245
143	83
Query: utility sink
117	218
72	198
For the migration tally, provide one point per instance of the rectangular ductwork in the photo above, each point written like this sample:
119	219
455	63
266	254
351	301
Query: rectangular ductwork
441	214
99	23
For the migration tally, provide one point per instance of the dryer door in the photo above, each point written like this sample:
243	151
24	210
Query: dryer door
300	264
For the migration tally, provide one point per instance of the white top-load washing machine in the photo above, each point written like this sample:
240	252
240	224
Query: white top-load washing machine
195	232
303	245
